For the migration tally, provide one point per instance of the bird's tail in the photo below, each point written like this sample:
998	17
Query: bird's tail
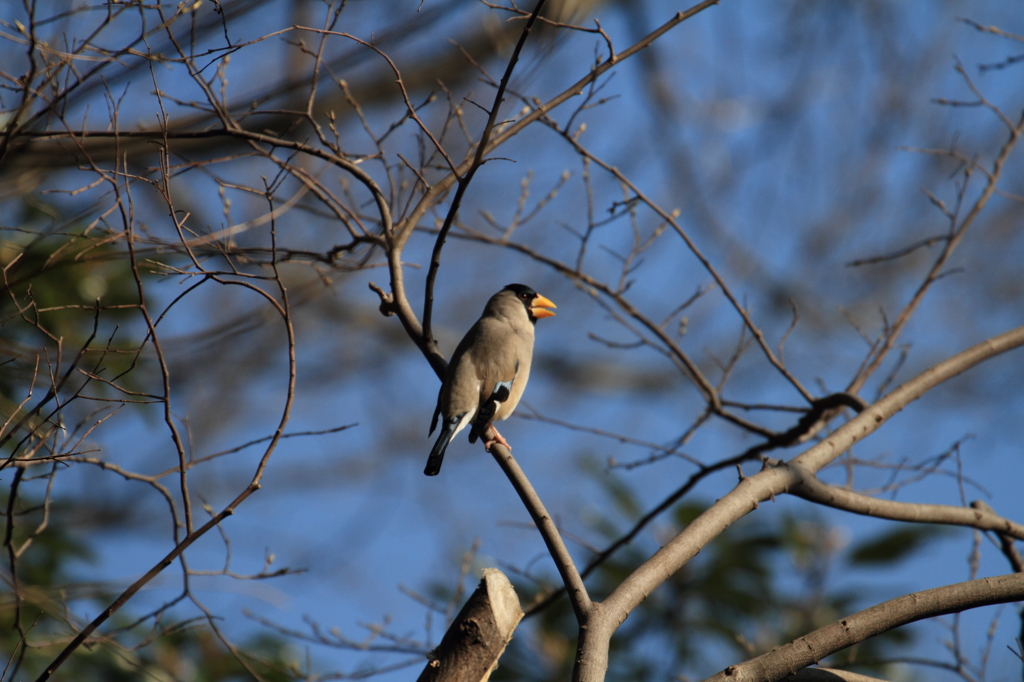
448	431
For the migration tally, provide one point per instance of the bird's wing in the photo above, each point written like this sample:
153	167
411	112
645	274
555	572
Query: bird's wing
496	362
437	411
489	405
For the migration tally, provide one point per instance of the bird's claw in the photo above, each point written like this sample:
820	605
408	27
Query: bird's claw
498	438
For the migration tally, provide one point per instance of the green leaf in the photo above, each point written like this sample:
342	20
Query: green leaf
894	545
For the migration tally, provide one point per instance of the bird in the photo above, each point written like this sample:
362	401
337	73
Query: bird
489	370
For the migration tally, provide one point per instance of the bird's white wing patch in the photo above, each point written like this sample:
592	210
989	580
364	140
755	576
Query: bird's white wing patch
468	417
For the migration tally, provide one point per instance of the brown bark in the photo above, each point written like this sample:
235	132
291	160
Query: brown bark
470	650
814	646
828	675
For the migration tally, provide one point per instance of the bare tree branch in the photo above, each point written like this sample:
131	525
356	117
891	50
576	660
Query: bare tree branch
477	637
813	490
815	646
592	656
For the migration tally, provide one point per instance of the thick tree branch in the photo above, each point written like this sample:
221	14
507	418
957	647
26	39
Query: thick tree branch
810	488
815	646
776	480
829	675
753	490
477	637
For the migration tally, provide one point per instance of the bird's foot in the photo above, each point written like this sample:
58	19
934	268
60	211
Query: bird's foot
498	438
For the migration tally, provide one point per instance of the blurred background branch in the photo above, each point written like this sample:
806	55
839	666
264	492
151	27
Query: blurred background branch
756	220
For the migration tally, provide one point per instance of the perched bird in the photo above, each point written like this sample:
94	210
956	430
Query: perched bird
489	370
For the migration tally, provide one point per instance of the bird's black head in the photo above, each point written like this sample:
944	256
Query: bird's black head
522	292
535	304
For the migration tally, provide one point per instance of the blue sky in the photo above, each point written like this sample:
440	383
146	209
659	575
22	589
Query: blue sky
779	134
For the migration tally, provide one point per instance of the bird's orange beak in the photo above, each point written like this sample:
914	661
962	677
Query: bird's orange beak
540	307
